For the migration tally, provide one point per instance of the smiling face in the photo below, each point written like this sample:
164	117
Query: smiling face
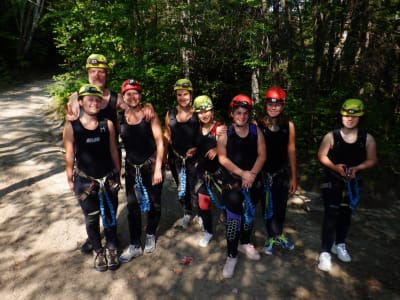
91	104
184	97
273	109
205	116
97	76
240	116
350	122
132	98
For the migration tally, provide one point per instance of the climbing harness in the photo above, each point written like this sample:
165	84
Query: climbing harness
268	197
103	193
354	198
210	180
182	179
141	190
249	211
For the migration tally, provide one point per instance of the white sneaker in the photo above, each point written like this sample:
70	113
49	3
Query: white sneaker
325	263
150	245
341	252
185	221
249	250
130	252
205	239
229	267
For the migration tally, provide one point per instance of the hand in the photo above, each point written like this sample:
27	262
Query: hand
191	152
221	130
248	179
157	177
211	154
148	112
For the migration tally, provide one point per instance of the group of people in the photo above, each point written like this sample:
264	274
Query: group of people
231	167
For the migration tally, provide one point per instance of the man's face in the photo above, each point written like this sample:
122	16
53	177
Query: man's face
97	76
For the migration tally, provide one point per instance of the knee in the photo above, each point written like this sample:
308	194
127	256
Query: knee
204	201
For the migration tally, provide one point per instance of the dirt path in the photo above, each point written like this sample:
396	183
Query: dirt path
42	226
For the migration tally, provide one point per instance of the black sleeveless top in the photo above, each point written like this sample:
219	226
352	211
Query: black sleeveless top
277	148
138	141
183	134
110	111
349	154
204	143
92	149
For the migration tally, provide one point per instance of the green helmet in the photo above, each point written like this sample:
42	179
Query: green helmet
183	84
90	90
201	103
352	108
96	61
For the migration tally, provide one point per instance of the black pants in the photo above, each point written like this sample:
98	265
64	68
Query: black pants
134	212
91	210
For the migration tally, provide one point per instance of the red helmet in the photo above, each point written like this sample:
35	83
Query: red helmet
275	94
130	84
241	100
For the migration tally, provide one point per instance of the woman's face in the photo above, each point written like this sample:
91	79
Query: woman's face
184	97
240	116
132	98
205	116
91	104
273	109
350	122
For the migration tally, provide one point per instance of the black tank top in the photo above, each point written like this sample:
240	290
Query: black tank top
277	148
110	111
92	149
183	134
349	154
204	143
242	151
138	141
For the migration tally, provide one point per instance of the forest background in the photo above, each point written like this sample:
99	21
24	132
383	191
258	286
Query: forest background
320	52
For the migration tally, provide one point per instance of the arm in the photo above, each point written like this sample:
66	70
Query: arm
371	157
326	145
158	137
69	145
113	146
292	159
72	113
149	112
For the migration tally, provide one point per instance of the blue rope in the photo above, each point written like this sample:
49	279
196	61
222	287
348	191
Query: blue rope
211	194
268	198
141	191
182	180
353	198
249	211
103	192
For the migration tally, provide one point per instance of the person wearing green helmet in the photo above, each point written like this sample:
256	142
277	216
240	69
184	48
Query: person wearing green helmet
181	129
344	153
208	167
93	167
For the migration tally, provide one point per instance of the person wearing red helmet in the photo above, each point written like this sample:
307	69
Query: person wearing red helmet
344	153
144	150
279	171
93	167
181	130
241	151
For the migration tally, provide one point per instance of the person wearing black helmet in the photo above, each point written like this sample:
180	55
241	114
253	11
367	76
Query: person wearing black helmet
344	153
241	151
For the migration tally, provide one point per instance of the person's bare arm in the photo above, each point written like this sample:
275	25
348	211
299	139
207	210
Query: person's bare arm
292	159
114	147
69	142
73	108
159	139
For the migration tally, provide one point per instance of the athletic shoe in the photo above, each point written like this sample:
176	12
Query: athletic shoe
100	261
205	239
112	259
150	245
341	252
249	250
229	267
325	263
87	247
185	221
130	252
270	246
285	242
201	223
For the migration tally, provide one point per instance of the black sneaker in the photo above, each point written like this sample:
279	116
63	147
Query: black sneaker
100	261
87	247
112	259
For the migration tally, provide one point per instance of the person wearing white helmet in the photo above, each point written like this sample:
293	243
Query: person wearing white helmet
344	153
